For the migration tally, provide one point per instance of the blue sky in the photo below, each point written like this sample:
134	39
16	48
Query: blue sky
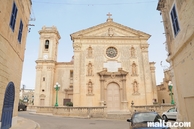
70	16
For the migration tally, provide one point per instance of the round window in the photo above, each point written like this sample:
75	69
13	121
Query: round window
111	52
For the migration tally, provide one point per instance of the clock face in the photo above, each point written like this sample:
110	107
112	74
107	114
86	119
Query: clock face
45	56
111	52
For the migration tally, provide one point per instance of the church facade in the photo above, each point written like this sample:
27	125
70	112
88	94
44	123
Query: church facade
110	67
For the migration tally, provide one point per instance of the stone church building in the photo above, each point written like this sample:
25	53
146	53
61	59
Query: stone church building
110	67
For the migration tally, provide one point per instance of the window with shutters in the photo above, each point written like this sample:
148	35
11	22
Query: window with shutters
20	31
174	20
13	16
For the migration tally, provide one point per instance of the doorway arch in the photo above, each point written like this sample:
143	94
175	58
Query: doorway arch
113	97
7	112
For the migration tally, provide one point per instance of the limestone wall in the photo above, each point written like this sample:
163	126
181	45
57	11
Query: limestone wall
99	46
11	50
181	54
62	76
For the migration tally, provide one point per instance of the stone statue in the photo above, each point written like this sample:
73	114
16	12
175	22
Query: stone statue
90	89
134	70
135	87
90	51
89	69
132	52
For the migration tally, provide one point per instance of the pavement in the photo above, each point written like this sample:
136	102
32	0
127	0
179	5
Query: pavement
23	123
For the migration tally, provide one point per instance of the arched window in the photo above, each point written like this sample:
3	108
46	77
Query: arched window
47	44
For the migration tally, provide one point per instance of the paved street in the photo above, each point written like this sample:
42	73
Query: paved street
57	122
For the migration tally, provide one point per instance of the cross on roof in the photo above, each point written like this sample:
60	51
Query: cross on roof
109	15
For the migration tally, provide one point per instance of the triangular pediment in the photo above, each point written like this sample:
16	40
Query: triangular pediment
110	29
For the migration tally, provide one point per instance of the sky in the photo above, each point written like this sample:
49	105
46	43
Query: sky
70	16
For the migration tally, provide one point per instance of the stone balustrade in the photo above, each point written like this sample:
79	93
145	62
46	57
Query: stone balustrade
97	112
94	112
157	108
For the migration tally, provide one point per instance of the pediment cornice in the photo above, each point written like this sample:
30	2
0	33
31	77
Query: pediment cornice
110	30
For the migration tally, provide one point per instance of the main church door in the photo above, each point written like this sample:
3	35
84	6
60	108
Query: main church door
113	97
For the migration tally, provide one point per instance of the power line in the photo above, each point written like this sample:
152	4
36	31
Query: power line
66	3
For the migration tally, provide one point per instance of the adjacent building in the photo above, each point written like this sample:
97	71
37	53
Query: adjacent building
110	66
27	96
14	19
164	93
178	23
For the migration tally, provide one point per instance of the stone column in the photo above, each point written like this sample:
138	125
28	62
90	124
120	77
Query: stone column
124	89
124	99
102	90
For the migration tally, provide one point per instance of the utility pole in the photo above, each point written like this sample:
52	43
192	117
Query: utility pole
23	87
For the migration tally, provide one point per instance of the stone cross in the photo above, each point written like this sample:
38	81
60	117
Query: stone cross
109	15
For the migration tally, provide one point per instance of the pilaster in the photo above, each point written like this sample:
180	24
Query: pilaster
124	99
77	71
152	69
102	99
37	85
147	77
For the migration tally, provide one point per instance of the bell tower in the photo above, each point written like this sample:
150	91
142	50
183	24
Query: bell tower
49	37
45	68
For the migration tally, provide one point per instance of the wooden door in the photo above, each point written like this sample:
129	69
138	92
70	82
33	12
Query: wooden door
113	97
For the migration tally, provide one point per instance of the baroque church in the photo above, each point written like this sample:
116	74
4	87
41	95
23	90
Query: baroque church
110	67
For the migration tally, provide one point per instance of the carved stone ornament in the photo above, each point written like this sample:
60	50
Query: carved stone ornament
76	46
111	52
113	75
110	32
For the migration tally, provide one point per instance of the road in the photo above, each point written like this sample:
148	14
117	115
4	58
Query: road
59	122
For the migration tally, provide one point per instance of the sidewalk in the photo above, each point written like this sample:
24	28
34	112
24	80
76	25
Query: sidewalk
24	123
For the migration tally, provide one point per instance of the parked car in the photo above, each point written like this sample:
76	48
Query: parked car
170	114
22	106
139	120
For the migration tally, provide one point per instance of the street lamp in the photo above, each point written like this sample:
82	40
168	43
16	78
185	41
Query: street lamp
170	85
57	87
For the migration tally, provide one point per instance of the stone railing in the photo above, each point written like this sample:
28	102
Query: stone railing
157	108
97	112
31	108
94	112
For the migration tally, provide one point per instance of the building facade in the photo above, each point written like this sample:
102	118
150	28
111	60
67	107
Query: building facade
14	21
110	67
164	93
179	29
